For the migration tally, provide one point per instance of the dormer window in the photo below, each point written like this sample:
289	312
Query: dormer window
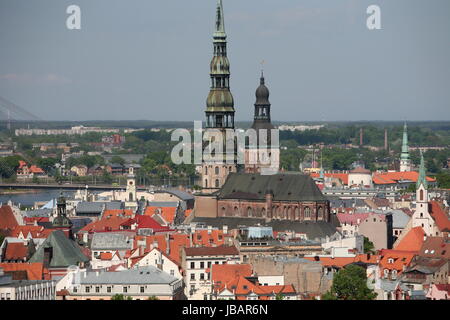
390	260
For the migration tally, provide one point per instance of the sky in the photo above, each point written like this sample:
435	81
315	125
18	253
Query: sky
149	59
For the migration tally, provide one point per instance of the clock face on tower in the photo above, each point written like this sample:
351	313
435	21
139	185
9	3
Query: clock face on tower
131	183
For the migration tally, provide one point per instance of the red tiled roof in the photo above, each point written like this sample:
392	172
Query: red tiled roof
412	241
435	247
147	222
35	231
395	177
36	169
32	220
16	251
105	224
351	218
35	271
400	259
7	218
204	239
341	176
440	217
221	274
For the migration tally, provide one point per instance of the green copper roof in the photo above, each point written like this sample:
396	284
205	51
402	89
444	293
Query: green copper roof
422	174
65	251
405	149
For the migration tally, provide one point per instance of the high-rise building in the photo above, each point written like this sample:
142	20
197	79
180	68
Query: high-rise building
405	162
216	164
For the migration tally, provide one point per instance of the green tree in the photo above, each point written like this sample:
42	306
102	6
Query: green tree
120	297
118	160
368	246
350	283
153	298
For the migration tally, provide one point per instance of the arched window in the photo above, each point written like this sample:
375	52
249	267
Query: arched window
217	170
307	212
297	214
206	170
249	212
236	211
206	183
421	195
130	196
320	213
217	183
263	212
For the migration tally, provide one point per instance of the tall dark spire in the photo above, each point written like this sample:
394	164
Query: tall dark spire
220	103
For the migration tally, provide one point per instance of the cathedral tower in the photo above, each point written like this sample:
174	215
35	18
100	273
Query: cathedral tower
422	217
219	109
263	157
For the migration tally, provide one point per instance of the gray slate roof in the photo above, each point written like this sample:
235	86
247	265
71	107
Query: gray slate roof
180	194
163	204
111	241
65	251
97	207
140	275
285	187
37	213
313	230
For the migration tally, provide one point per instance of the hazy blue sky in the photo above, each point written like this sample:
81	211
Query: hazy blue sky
149	59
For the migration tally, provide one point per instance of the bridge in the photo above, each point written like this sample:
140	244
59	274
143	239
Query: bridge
66	186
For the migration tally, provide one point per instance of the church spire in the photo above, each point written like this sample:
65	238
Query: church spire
405	164
422	174
220	103
220	23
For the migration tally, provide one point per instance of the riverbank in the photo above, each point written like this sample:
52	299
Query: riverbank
18	191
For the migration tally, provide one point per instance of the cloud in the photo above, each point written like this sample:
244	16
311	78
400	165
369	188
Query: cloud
35	79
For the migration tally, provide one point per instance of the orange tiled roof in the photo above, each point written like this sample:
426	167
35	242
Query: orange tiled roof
412	241
440	217
106	256
35	271
341	262
36	169
168	213
395	177
221	274
7	218
203	239
400	259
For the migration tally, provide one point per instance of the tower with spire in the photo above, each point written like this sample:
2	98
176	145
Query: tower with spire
219	109
405	162
422	217
131	196
264	157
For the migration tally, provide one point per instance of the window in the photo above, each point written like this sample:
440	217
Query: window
216	169
192	265
209	264
172	272
97	289
125	289
202	265
87	289
108	289
202	276
142	289
192	276
307	212
217	183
